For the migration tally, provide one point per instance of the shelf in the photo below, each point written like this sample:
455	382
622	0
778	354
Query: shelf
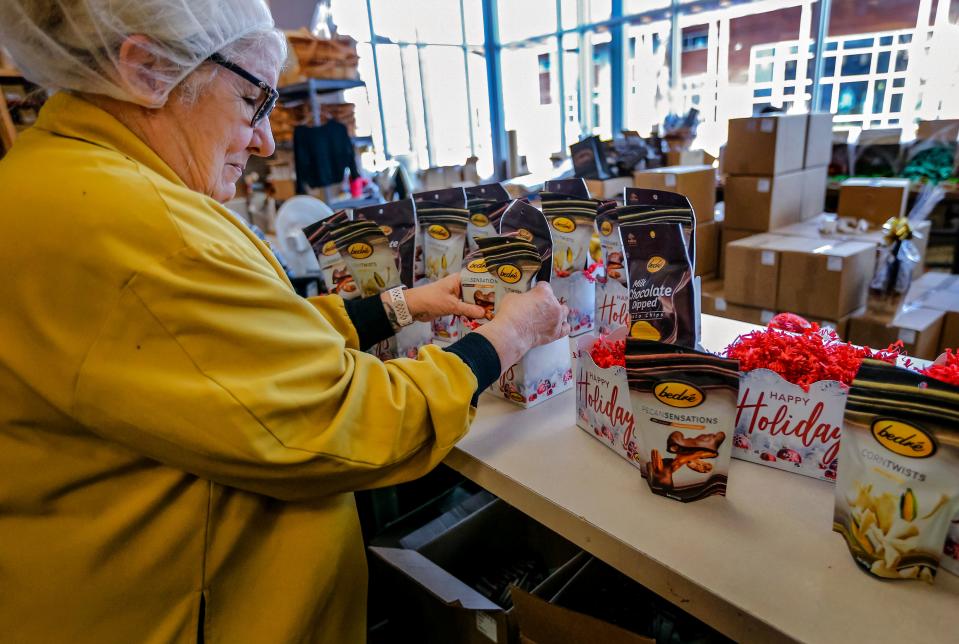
299	91
10	74
363	140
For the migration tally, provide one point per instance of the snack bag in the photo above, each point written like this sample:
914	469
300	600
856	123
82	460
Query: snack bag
486	204
684	403
526	222
544	371
368	257
478	287
612	299
661	296
660	206
898	484
336	276
443	219
397	220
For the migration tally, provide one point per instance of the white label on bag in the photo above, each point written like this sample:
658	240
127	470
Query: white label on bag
486	625
720	304
908	336
767	125
762	185
834	264
670	180
768	258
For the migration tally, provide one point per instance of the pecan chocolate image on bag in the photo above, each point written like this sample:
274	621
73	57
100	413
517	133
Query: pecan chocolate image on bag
397	220
511	262
478	287
336	276
661	295
529	224
368	256
897	488
486	204
684	404
614	259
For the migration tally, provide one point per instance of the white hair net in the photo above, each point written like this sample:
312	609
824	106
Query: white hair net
75	44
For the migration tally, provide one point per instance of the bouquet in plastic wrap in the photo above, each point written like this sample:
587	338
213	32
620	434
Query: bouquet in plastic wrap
898	257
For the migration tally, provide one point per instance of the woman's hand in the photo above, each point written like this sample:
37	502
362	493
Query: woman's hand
524	321
437	299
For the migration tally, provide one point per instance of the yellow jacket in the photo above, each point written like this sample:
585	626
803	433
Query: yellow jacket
175	423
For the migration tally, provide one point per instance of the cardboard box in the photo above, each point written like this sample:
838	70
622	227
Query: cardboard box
818	140
608	188
813	229
707	248
945	130
827	281
727	236
940	292
762	203
875	200
765	145
813	200
919	329
430	587
697	183
715	303
283	189
541	622
689	157
751	273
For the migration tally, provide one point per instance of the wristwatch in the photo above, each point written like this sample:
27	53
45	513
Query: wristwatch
396	309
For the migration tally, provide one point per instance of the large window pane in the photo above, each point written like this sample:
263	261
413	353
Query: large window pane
647	75
525	18
395	117
444	80
415	105
600	87
536	123
393	19
573	90
438	21
351	19
473	15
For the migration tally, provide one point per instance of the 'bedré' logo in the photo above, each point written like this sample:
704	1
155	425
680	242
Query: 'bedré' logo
679	394
477	266
902	438
564	224
329	248
655	264
438	232
606	228
359	250
479	219
509	273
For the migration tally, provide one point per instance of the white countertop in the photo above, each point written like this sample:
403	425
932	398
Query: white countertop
761	564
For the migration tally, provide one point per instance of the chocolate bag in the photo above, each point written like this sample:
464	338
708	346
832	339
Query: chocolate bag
898	484
526	222
478	286
662	304
512	262
429	204
368	256
397	220
660	206
336	276
486	204
612	298
443	219
684	404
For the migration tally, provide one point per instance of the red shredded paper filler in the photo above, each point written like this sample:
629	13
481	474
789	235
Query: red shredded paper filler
803	353
608	353
946	368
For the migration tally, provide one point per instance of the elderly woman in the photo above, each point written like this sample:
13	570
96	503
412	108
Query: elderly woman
180	433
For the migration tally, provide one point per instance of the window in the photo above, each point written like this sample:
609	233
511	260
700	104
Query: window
856	64
882	63
878	94
852	96
520	19
535	123
647	74
545	81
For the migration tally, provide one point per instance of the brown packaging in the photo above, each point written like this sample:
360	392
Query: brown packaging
813	200
818	140
875	200
918	328
765	145
762	203
824	280
697	183
707	248
752	270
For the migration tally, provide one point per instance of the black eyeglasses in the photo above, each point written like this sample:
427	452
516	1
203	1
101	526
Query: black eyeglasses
269	102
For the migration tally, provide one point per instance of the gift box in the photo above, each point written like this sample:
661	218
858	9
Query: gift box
781	425
612	306
578	292
602	401
543	373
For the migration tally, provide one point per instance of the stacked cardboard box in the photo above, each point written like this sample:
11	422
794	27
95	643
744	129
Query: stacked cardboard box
920	330
824	228
824	281
698	184
875	200
939	292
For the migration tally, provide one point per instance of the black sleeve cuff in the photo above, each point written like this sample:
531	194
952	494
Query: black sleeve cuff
480	356
369	318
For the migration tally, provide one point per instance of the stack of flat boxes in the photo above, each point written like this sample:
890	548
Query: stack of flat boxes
698	184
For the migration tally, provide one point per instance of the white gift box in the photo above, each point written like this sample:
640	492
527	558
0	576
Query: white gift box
543	373
612	306
780	425
578	292
603	409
